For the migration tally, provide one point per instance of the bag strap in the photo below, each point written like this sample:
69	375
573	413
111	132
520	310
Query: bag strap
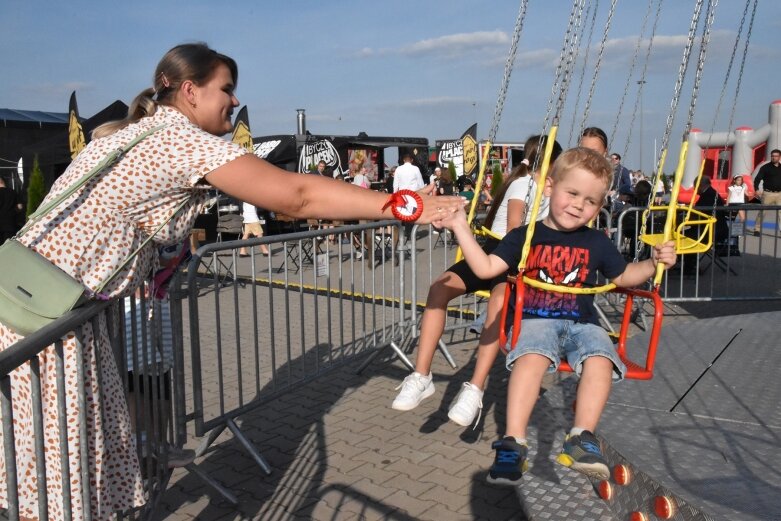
129	258
110	160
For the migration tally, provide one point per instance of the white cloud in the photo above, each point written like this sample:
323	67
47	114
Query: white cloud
457	43
437	102
449	45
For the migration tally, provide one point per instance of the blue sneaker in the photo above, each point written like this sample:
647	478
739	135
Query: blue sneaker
510	462
583	453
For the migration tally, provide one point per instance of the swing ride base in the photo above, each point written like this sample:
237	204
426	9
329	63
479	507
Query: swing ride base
699	441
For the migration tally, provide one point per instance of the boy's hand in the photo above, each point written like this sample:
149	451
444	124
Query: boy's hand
452	219
664	253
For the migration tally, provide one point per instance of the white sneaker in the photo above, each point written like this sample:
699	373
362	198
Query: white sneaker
469	403
414	389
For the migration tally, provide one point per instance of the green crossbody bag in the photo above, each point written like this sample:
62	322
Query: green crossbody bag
33	291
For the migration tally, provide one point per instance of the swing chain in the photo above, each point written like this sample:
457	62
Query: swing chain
597	66
560	64
743	62
710	13
585	64
726	79
629	76
681	74
508	69
567	73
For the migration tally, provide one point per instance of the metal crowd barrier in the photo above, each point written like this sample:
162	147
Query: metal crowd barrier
127	326
262	325
738	266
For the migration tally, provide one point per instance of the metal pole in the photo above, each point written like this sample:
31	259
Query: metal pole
640	83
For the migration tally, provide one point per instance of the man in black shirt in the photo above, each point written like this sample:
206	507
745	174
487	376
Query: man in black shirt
9	212
768	187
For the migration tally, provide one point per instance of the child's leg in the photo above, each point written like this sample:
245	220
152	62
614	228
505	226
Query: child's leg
510	461
592	354
593	392
469	401
418	385
523	390
488	348
447	287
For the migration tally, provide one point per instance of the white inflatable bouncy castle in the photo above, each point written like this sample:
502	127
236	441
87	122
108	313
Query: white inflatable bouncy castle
729	154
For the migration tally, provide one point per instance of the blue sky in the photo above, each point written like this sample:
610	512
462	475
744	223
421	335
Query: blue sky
424	68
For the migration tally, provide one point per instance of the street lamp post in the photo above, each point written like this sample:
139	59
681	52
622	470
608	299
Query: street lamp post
640	84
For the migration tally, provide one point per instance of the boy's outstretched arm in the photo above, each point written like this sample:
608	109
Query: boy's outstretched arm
483	265
636	273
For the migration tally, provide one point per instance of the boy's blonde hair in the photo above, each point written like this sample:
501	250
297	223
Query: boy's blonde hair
586	159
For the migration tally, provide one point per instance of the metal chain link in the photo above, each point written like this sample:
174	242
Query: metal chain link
726	79
681	75
567	74
673	105
710	13
742	63
641	86
585	64
598	65
508	69
560	64
631	72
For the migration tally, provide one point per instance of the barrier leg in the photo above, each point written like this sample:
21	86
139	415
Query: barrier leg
443	347
225	493
396	349
253	451
207	442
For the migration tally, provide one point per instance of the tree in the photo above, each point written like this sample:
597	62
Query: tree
497	180
36	190
451	172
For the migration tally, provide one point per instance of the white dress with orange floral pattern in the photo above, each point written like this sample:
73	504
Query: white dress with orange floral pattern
89	237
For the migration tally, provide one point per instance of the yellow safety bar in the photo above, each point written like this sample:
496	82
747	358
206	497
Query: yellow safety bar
683	244
551	140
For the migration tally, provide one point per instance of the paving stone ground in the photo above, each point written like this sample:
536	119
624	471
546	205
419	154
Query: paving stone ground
338	452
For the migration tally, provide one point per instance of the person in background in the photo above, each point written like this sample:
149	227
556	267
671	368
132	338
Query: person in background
390	180
407	176
767	184
622	180
193	97
10	209
251	228
737	194
361	178
508	211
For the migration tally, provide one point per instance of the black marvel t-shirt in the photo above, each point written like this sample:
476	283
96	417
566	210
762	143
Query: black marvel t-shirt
565	259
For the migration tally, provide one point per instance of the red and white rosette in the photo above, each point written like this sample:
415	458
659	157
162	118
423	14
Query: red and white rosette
405	205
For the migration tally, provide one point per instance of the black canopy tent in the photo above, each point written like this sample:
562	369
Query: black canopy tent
296	152
54	152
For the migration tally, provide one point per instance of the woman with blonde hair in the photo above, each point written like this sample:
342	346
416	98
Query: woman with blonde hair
191	102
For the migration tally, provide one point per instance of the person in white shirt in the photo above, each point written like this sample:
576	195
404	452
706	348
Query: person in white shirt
252	228
407	176
361	179
737	192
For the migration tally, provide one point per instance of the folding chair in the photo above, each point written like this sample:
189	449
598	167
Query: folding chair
227	224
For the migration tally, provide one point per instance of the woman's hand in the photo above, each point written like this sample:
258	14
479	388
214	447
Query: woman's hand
436	208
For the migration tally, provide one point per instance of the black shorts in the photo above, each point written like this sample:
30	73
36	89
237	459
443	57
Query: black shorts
473	282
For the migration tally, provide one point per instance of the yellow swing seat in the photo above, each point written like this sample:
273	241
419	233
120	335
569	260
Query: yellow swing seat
683	243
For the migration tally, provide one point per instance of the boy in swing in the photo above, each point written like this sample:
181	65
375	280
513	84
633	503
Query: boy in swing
564	251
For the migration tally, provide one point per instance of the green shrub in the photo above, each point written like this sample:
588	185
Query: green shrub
497	180
451	172
36	190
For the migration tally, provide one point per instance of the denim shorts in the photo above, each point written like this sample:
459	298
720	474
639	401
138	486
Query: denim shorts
559	339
